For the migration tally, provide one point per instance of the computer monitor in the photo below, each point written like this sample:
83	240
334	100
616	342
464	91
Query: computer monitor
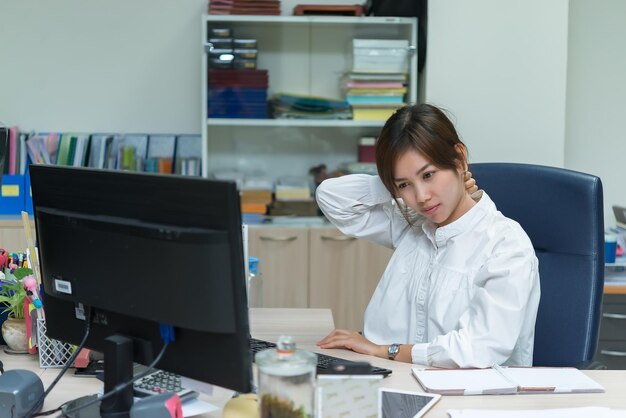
140	250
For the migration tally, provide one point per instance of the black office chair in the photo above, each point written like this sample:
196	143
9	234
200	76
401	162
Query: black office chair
562	213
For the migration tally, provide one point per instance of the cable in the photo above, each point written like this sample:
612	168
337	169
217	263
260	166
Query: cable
121	386
31	411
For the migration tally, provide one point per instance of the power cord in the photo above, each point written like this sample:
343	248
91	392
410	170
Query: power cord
36	405
119	387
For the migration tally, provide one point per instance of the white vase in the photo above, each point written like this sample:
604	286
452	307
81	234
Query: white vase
14	334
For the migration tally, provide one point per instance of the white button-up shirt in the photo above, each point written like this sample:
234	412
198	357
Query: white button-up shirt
465	294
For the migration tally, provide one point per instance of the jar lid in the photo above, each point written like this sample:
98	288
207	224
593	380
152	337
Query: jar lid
285	359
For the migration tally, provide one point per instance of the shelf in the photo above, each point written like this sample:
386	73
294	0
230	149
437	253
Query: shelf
303	55
306	123
339	20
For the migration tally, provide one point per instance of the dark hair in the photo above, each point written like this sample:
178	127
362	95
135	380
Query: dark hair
423	128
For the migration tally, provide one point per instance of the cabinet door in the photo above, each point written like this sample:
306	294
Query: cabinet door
343	274
283	264
12	236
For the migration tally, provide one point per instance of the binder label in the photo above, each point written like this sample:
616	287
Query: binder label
10	190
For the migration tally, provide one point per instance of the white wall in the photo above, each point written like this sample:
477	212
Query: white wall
88	65
596	96
500	67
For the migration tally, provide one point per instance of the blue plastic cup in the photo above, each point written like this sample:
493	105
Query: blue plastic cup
610	248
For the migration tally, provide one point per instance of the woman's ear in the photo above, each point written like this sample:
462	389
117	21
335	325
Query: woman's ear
462	157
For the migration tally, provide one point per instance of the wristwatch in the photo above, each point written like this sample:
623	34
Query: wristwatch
392	351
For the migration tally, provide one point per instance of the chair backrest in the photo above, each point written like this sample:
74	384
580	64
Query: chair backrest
562	213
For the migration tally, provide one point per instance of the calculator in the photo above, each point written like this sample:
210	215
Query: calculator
159	382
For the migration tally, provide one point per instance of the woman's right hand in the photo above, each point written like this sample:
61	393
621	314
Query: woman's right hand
352	340
470	183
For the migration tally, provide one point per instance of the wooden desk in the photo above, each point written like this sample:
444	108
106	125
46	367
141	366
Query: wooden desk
614	289
307	325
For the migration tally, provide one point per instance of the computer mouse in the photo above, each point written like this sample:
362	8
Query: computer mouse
243	406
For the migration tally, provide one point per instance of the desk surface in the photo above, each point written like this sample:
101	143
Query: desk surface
269	323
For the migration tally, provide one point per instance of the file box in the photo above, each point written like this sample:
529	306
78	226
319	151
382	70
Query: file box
28	195
12	194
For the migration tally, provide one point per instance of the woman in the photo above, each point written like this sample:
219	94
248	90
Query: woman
462	286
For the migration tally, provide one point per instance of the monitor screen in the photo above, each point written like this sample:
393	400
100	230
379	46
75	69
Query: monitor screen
140	250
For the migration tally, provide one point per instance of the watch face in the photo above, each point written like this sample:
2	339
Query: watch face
392	351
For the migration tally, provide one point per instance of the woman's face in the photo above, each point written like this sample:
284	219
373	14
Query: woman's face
438	194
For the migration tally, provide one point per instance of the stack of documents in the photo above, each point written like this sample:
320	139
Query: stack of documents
377	84
375	96
291	106
505	380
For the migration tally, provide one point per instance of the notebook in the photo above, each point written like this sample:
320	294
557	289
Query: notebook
499	380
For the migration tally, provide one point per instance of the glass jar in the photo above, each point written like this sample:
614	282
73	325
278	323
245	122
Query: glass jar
286	381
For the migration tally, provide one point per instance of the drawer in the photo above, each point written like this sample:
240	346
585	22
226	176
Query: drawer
613	325
612	354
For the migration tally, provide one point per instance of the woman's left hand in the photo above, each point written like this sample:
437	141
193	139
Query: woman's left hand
352	340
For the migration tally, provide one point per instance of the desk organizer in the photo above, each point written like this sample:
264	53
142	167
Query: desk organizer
52	353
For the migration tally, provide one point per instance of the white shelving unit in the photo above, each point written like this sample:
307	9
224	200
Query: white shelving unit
306	55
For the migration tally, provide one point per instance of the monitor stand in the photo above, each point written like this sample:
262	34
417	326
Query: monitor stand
118	368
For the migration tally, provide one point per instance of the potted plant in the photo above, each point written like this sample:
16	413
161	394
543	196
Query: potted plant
12	298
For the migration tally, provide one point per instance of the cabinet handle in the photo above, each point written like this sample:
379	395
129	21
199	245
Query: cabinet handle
292	238
613	316
338	238
613	353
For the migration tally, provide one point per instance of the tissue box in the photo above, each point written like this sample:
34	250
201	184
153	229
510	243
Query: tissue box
343	396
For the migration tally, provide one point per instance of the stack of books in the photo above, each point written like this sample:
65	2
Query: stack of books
244	7
238	94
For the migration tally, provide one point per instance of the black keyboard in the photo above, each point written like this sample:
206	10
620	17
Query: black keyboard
327	364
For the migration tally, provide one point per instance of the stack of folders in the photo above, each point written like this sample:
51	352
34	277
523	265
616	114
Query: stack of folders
237	94
160	154
376	87
499	380
14	158
131	152
187	155
294	106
